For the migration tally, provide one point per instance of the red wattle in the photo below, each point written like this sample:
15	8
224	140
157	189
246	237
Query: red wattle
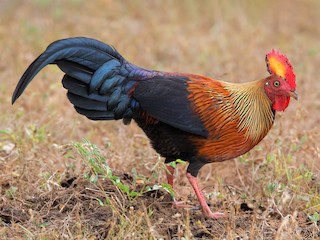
281	103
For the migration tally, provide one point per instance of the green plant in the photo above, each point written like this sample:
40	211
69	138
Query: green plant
99	169
314	218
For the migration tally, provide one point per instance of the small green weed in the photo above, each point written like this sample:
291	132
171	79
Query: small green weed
177	161
99	169
11	192
314	218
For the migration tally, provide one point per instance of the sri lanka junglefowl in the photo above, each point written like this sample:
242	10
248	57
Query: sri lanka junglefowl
194	118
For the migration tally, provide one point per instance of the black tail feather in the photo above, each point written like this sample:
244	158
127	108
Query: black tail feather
95	115
103	73
86	52
76	70
97	77
80	89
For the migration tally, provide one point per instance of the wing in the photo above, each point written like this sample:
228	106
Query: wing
166	98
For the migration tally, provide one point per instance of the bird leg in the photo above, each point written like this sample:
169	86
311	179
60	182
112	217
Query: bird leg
170	177
205	208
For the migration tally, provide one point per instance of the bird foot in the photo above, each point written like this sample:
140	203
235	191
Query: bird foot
180	204
208	213
215	215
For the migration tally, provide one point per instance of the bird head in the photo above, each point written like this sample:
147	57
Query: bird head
281	85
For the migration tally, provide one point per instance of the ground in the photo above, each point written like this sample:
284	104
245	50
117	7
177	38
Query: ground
63	176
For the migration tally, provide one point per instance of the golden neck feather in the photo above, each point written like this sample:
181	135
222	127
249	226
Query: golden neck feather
253	107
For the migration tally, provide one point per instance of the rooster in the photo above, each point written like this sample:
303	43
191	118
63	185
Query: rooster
190	117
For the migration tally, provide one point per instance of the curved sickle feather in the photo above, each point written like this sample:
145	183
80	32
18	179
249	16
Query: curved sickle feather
80	48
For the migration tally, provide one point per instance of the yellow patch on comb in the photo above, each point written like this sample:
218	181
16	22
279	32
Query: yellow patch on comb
277	66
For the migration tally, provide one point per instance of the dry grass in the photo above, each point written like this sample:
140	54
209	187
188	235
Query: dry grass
50	191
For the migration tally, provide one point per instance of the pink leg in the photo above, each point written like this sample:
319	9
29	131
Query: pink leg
176	204
205	208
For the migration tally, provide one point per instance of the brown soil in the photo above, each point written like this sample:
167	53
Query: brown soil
75	201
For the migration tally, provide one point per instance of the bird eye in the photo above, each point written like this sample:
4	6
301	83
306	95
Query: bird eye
276	83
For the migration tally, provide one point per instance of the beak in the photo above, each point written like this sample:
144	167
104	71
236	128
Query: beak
293	94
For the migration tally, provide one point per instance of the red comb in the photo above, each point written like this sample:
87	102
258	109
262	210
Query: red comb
279	64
